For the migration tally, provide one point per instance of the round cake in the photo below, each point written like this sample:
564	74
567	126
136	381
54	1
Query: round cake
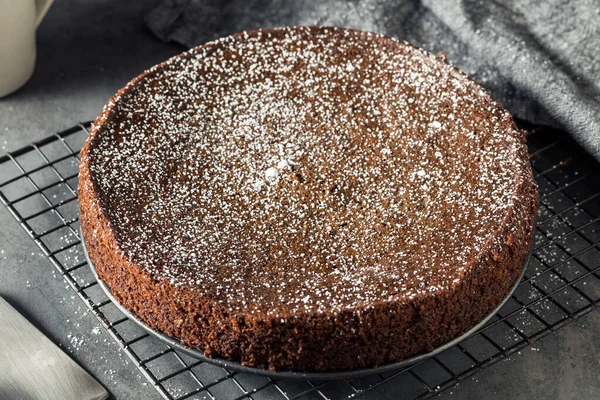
307	199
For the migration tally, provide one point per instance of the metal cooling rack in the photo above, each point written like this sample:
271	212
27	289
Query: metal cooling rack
38	184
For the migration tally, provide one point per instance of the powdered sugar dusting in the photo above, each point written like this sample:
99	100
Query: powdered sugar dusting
306	169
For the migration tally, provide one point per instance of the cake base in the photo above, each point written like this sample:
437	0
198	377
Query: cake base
330	375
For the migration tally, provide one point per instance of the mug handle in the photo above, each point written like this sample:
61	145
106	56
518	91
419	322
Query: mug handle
41	7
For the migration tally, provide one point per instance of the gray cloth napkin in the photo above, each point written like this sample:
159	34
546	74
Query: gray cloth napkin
540	59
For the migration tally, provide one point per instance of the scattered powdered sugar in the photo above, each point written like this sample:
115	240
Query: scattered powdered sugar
75	341
305	169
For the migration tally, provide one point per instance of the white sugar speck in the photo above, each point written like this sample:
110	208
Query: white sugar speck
271	174
283	164
259	184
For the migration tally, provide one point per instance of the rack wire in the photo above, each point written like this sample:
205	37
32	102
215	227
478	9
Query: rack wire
38	185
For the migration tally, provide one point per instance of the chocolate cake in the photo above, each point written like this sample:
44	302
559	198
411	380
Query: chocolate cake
307	199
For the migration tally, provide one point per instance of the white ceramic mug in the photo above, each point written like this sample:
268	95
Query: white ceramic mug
18	20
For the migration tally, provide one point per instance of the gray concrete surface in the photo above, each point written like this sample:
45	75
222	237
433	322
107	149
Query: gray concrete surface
563	365
86	51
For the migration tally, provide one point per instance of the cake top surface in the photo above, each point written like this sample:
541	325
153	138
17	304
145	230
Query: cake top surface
305	169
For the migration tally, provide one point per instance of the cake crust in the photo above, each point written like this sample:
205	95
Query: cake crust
394	228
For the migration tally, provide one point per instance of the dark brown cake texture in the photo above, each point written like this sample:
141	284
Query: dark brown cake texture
307	199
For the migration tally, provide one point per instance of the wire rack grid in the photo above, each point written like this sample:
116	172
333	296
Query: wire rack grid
38	184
